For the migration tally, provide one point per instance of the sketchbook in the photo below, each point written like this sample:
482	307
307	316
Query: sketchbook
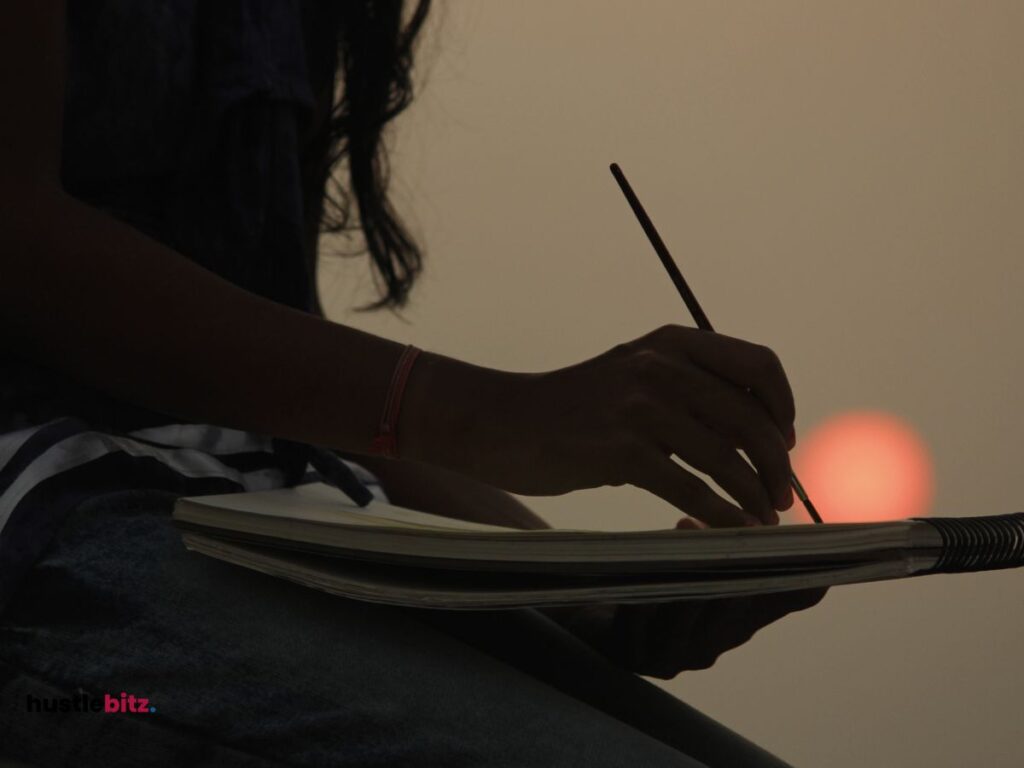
314	535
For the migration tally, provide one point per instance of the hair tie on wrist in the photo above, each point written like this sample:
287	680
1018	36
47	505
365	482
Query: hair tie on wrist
386	442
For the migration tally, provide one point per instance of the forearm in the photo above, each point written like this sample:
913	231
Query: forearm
429	488
88	295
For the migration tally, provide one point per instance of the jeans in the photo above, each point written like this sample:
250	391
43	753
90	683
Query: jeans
240	668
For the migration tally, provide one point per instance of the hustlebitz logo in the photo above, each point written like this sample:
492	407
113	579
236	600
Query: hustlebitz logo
83	702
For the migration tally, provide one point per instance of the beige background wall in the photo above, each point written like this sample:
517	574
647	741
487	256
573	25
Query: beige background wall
841	181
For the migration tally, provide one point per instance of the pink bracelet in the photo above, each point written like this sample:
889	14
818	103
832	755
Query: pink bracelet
386	442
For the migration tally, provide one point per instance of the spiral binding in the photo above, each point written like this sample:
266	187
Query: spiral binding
978	543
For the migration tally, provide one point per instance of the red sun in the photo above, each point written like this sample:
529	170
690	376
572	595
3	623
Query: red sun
864	466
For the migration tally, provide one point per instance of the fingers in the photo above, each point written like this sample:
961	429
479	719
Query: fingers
677	637
706	451
748	366
762	610
720	416
802	599
768	608
738	417
657	473
731	622
673	636
701	395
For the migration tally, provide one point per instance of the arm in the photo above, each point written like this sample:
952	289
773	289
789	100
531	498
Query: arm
429	488
88	295
94	298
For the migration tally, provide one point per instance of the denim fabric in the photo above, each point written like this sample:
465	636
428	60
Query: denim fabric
245	669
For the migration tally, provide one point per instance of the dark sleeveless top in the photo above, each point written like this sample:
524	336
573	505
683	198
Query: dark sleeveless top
181	118
184	119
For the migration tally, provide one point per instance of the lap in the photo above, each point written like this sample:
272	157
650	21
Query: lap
267	672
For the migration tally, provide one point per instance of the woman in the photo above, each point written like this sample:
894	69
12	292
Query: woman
165	180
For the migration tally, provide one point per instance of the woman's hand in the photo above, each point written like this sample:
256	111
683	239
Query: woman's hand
663	639
617	419
439	491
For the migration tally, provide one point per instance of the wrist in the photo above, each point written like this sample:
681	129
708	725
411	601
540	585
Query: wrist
449	414
385	443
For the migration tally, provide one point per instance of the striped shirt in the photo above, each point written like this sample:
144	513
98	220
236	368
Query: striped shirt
46	470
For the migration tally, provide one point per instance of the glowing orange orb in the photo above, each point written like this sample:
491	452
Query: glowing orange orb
864	466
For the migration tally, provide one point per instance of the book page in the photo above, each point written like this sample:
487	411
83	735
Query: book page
321	503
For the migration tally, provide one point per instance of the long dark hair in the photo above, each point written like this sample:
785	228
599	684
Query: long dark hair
374	62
